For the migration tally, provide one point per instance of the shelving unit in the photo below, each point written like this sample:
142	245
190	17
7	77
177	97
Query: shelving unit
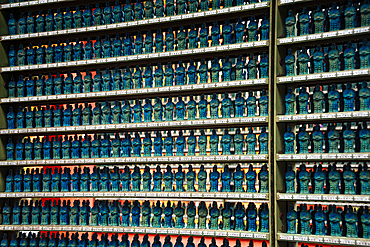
276	84
233	51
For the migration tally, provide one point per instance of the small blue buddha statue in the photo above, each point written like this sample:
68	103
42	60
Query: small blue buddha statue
180	109
290	63
290	22
191	108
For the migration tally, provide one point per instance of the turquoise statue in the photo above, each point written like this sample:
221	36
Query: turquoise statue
180	74
214	106
136	145
13	56
30	86
226	32
190	181
67	19
107	13
179	212
86	147
147	142
304	180
180	109
20	118
148	76
290	180
136	179
292	220
334	18
226	179
364	178
349	179
263	103
349	98
214	212
215	70
21	56
226	143
351	220
12	85
251	177
214	177
192	143
264	223
264	66
226	105
30	23
168	214
349	141
158	76
334	180
148	42
350	16
40	51
304	219
289	138
170	40
98	49
265	28
251	141
10	118
191	108
334	59
304	22
149	9
192	73
213	142
117	79
202	178
128	11
364	135
318	20
168	144
145	217
159	41
139	43
168	179
49	21
126	145
226	213
290	63
238	177
169	75
364	52
202	215
107	47
252	29
128	45
239	215
318	100
320	218
251	104
365	222
158	110
318	60
239	31
303	140
157	214
168	110
349	57
16	212
303	99
203	71
20	86
203	107
98	15
117	46
334	222
9	181
203	36
180	144
116	113
290	22
157	179
77	17
193	33
158	144
317	140
191	213
239	105
263	178
12	25
319	180
252	217
333	99
303	60
126	112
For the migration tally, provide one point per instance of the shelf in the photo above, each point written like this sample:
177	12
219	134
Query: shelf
141	93
141	59
141	195
210	123
93	31
315	239
285	2
321	198
256	158
341	35
325	78
142	230
326	117
30	3
324	157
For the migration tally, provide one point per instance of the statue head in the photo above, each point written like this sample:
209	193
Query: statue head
168	168
158	168
364	84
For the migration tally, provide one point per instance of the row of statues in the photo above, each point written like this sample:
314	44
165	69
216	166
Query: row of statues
136	214
329	180
328	19
127	45
333	101
342	221
83	240
331	141
115	180
319	60
141	77
77	18
102	146
117	112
